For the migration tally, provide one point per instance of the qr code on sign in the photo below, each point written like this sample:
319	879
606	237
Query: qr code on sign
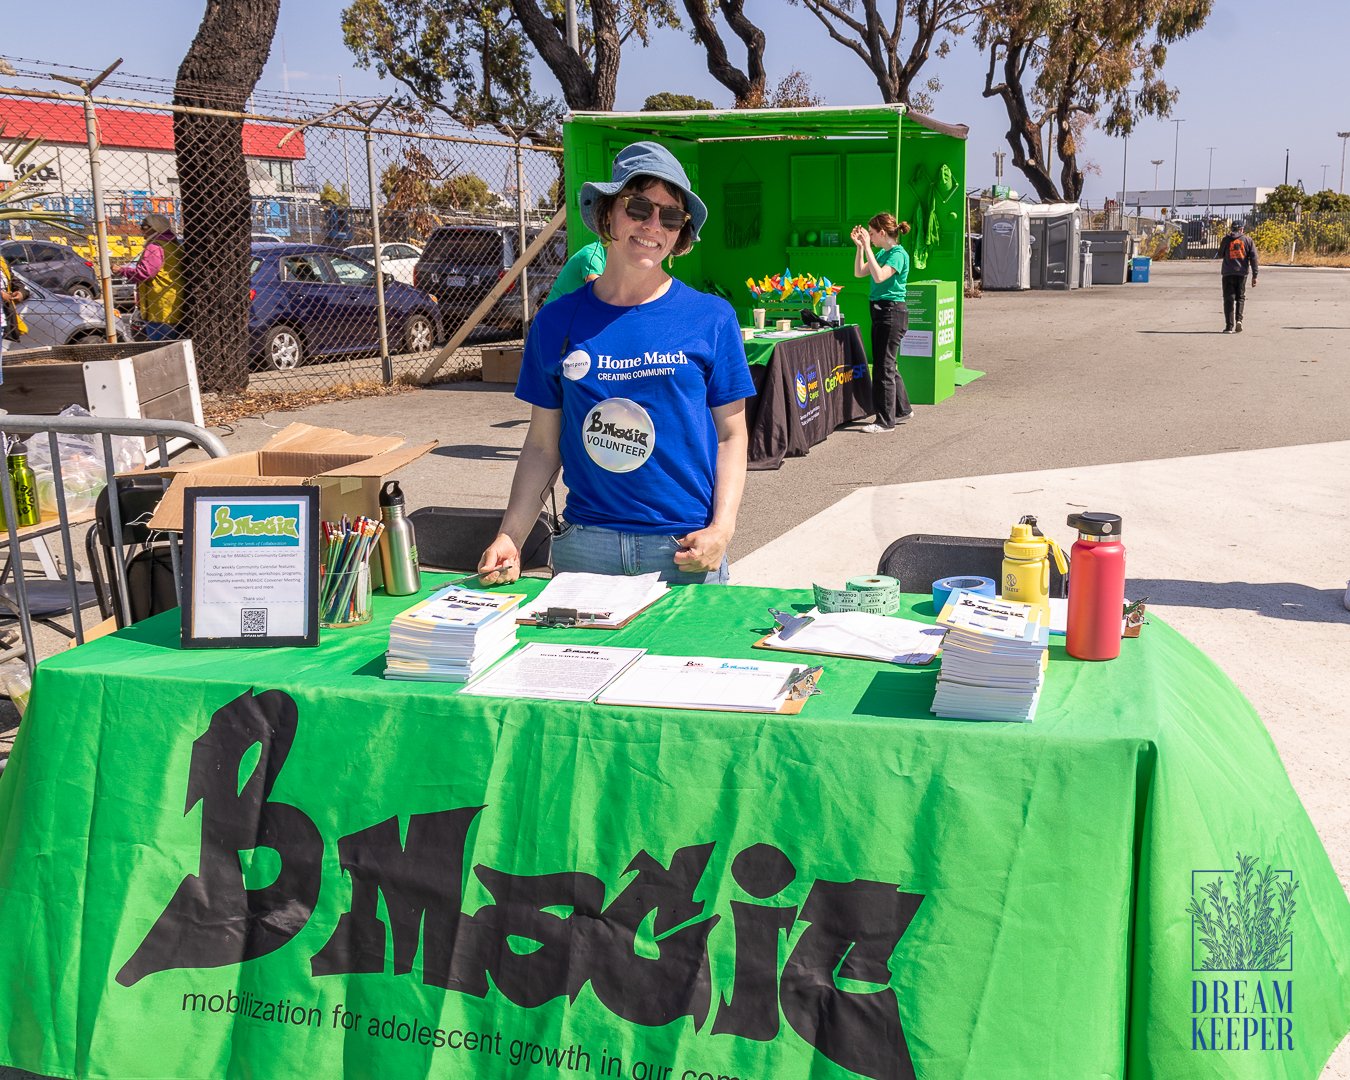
253	622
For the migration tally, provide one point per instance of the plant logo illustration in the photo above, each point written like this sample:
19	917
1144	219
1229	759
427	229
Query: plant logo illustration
1242	920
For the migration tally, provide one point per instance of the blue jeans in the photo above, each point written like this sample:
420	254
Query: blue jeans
588	549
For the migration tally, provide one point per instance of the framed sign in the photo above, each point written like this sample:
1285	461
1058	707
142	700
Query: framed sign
250	567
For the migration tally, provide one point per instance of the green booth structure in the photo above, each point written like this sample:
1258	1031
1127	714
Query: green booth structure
784	187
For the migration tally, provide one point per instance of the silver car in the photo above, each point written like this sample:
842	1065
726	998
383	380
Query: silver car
53	318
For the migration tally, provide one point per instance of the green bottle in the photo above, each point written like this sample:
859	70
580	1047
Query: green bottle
25	486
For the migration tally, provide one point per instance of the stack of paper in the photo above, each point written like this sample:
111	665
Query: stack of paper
452	635
993	659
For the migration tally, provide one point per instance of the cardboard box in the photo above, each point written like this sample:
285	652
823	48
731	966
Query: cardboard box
347	469
501	365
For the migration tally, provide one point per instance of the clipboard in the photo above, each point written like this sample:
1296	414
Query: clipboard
786	621
800	685
572	619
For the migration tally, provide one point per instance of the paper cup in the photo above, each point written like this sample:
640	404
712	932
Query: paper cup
758	314
784	324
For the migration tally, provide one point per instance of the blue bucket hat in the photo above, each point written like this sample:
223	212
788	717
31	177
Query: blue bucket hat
643	159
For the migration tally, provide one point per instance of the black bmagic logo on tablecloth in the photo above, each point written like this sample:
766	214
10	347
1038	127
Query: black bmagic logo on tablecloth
851	929
1241	924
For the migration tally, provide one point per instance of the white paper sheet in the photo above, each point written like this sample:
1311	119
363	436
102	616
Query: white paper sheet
618	595
703	682
864	635
554	672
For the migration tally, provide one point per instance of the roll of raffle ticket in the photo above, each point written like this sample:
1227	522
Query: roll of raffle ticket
874	595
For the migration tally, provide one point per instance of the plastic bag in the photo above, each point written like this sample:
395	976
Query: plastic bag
82	472
16	683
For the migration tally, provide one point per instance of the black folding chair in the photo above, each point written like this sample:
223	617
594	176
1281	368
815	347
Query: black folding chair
919	559
146	555
455	537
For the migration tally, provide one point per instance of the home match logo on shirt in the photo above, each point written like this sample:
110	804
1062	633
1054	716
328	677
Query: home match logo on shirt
1242	921
619	435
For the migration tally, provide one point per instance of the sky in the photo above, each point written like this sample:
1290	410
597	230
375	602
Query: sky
1258	81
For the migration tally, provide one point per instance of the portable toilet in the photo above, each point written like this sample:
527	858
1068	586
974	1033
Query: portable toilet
1056	230
1006	246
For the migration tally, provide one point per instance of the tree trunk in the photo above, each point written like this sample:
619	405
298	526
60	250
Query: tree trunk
581	87
220	70
748	85
1024	134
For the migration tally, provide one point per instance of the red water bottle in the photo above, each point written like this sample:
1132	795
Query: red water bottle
1096	587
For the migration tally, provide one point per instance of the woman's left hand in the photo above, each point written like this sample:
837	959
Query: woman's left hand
701	552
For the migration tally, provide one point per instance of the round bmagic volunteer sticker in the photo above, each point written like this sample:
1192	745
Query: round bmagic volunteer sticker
619	435
575	364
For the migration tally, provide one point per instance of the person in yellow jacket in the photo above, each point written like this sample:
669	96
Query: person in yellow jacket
11	322
158	275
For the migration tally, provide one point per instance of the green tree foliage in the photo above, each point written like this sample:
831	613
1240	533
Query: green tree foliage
333	195
1072	64
465	191
666	101
465	58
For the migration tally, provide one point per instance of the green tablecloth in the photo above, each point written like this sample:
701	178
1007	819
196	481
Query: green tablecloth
759	350
861	890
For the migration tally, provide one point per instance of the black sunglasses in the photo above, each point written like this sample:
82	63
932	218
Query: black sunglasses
639	208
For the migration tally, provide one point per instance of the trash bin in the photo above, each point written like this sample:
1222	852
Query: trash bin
1111	254
1139	268
1085	264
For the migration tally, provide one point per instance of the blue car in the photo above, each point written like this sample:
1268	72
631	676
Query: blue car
309	300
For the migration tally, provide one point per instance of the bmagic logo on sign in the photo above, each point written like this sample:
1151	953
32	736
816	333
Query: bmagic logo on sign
255	526
1242	922
851	928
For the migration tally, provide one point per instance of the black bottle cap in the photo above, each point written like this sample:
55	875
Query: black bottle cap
394	498
18	449
1096	524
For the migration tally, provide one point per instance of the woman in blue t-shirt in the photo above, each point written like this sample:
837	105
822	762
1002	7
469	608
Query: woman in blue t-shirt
888	268
637	385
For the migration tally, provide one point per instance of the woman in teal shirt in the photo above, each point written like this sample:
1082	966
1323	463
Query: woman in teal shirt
888	268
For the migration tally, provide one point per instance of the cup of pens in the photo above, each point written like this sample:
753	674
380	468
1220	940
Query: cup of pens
344	571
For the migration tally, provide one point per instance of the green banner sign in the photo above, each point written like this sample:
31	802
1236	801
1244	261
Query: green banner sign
295	868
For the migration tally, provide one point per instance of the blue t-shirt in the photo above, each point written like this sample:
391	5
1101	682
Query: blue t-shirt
636	386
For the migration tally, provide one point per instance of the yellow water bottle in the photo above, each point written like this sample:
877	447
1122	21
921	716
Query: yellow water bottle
1026	566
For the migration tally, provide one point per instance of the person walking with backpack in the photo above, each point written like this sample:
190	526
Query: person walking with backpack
1239	255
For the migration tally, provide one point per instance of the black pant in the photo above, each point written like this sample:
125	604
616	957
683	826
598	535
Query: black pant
1234	296
890	320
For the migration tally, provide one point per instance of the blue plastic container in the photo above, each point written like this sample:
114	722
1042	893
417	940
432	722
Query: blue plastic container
1139	268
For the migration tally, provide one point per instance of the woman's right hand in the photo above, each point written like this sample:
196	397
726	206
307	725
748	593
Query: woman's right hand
500	562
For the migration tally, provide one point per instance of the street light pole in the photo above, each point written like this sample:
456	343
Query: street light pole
1124	171
1209	183
1155	162
1343	135
1324	176
1176	150
1286	166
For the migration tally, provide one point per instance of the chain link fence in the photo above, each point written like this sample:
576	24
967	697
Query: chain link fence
453	211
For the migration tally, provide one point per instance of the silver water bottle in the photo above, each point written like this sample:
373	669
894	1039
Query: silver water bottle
398	546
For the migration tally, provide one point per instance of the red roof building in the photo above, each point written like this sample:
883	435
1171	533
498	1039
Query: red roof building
58	123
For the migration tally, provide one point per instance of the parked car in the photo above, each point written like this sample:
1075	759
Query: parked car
53	266
309	300
461	263
397	259
53	318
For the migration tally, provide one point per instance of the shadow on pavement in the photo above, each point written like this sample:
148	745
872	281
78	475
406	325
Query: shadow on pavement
1273	599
